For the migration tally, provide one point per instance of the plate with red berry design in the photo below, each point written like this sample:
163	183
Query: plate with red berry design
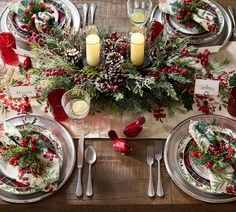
207	176
64	14
37	141
34	160
220	36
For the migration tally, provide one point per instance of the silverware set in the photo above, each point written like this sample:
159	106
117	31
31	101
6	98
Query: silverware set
90	157
86	8
151	156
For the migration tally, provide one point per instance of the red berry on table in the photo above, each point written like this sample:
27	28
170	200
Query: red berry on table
216	153
26	11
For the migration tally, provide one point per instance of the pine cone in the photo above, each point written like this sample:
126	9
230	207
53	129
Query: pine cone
73	55
122	46
108	47
114	60
37	169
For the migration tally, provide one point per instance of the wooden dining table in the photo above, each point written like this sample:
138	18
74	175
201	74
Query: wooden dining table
120	181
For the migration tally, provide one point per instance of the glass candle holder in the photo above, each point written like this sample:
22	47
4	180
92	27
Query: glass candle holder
232	102
7	46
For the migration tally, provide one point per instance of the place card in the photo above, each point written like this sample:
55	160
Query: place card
19	91
207	87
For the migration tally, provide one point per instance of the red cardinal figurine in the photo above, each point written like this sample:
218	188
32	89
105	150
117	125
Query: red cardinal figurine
119	145
135	128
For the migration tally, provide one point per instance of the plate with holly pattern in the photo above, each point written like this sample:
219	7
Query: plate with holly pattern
178	161
53	132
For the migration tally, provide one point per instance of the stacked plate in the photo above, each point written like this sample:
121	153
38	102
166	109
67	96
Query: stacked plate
191	178
65	13
198	37
50	131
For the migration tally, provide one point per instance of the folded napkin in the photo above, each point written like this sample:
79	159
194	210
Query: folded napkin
203	17
44	177
221	167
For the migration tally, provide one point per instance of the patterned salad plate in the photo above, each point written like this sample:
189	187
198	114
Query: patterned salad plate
221	37
65	13
51	131
193	179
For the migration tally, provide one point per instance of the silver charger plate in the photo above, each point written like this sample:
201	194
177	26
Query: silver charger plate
170	157
21	44
217	40
68	150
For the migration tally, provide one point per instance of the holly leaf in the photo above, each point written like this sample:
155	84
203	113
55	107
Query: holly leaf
232	80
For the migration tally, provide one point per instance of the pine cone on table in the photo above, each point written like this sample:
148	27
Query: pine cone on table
114	60
153	53
73	55
108	46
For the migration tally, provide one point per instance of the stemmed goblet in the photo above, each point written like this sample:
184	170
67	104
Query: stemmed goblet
76	103
139	11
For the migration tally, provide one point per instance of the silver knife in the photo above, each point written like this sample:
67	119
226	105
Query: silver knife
80	157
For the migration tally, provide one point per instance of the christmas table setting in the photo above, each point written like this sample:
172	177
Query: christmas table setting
88	112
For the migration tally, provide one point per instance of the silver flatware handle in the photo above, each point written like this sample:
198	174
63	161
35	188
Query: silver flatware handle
85	9
79	191
151	191
232	14
89	191
160	191
93	10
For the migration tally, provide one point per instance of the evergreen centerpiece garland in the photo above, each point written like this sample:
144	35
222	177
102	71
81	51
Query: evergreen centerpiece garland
168	80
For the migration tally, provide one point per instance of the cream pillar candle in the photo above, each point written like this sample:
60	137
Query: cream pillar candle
137	49
93	50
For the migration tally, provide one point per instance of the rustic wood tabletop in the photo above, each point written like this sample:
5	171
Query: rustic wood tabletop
120	182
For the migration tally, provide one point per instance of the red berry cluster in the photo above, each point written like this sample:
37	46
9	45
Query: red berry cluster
80	78
173	70
114	36
205	104
35	38
185	52
153	74
56	72
203	57
22	107
220	150
159	114
231	190
15	159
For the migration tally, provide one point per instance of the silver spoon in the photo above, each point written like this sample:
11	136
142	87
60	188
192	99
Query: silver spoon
90	157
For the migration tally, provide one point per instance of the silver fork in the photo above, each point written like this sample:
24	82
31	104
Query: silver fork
158	157
150	161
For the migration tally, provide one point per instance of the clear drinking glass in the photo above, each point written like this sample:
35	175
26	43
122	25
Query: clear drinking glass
139	11
76	103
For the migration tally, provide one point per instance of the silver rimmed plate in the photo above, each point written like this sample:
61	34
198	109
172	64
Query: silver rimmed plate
71	13
176	143
8	180
198	32
205	39
68	151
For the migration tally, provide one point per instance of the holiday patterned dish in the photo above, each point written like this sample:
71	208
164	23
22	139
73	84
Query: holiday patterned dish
26	22
30	163
58	133
200	181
